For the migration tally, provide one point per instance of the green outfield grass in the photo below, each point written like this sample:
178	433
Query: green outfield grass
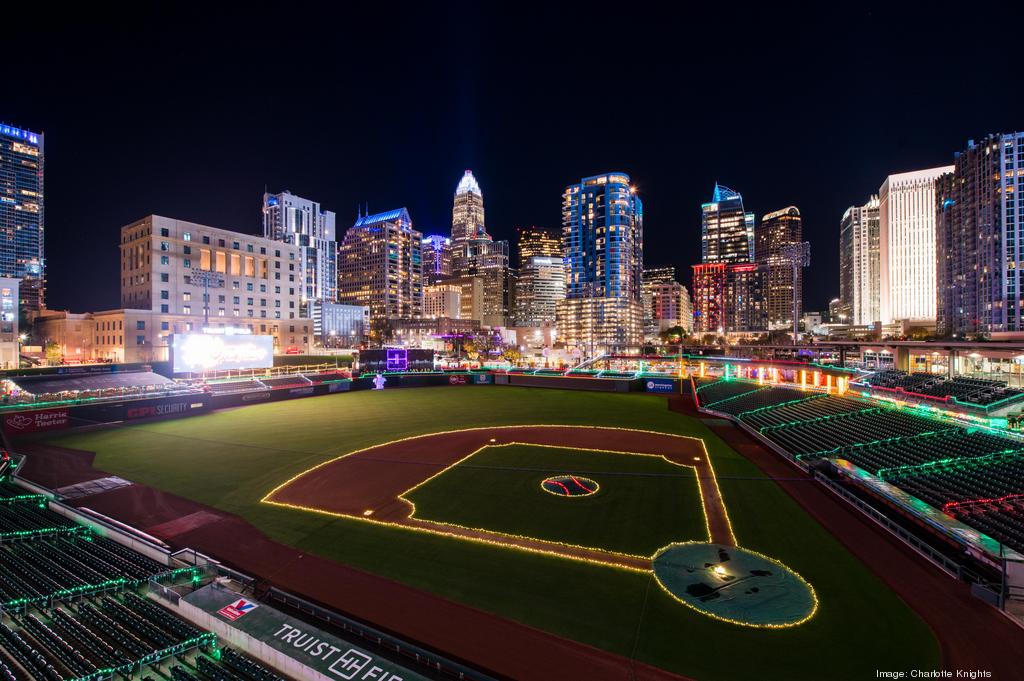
232	458
642	502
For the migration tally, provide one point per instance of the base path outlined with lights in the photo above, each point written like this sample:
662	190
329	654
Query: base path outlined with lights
371	485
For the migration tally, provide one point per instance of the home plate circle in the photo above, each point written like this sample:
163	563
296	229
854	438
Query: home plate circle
569	486
734	584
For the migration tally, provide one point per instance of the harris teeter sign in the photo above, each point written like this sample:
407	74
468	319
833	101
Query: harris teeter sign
332	657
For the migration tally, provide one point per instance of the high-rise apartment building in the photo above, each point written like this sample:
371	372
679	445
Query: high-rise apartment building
859	275
727	231
540	286
22	215
437	258
300	222
773	234
539	242
602	229
906	214
979	240
379	266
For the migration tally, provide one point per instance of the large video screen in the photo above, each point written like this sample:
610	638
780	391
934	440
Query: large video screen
197	352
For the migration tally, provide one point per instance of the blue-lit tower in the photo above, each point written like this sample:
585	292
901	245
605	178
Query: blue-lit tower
602	229
21	213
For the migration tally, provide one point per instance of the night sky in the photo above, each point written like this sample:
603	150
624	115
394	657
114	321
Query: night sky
191	114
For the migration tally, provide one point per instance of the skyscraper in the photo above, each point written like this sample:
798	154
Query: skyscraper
906	214
437	258
602	229
727	231
468	211
379	266
977	238
21	214
859	277
301	222
476	254
776	231
539	242
728	286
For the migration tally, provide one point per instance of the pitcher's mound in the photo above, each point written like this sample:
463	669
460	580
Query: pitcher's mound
736	585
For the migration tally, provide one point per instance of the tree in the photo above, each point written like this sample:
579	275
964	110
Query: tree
53	353
673	335
512	354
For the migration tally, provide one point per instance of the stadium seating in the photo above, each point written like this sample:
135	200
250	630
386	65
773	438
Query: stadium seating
102	629
710	393
978	391
229	387
945	464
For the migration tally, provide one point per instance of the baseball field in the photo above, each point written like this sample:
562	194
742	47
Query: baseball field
555	528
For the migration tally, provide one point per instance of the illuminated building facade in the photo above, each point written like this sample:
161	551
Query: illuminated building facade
670	306
163	261
728	298
300	222
471	296
602	230
10	343
437	258
475	254
337	325
727	231
979	241
776	231
540	286
859	276
22	215
442	300
652	277
538	242
906	214
468	211
379	266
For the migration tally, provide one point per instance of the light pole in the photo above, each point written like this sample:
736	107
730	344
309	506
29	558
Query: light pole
798	255
207	278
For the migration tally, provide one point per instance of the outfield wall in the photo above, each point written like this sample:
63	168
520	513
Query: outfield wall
31	420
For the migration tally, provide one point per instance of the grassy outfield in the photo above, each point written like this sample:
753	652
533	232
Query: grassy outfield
231	459
642	503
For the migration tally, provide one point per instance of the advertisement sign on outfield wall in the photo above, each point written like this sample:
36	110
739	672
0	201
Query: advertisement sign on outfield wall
660	385
35	421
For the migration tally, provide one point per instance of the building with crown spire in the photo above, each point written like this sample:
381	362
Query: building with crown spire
475	254
468	211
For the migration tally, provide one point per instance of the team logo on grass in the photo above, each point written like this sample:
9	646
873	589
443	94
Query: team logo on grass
569	486
237	609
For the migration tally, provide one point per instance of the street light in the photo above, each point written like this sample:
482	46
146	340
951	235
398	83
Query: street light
798	255
207	278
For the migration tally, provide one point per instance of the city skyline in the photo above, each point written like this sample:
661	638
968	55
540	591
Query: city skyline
508	126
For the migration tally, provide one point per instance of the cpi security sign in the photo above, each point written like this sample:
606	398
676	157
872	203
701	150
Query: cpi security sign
197	352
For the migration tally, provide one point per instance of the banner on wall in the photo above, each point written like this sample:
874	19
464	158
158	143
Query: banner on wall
660	385
36	421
